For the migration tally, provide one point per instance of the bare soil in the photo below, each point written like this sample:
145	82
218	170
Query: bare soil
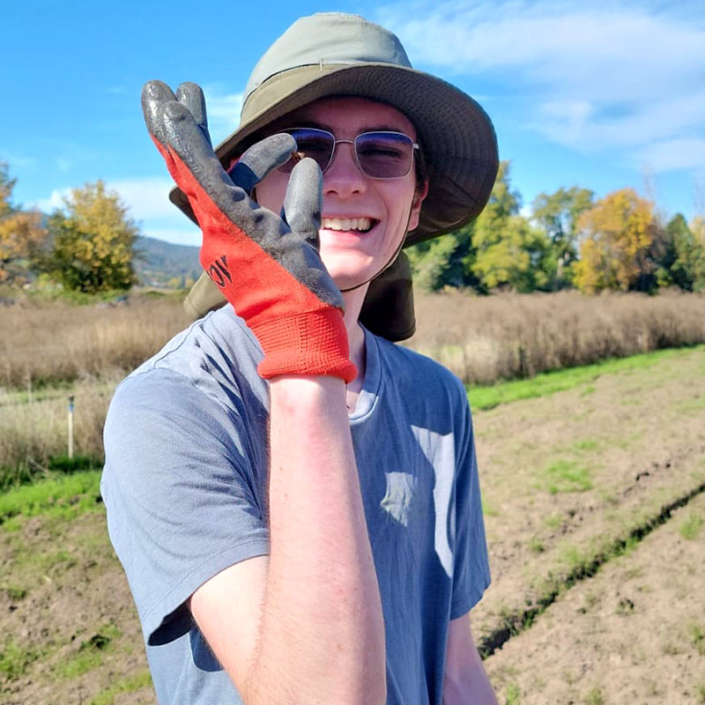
635	633
563	477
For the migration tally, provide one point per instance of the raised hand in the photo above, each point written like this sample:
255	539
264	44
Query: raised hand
267	266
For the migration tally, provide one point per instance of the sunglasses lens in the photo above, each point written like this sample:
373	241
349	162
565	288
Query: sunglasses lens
384	155
315	144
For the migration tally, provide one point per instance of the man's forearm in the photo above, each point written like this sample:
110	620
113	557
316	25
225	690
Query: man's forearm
322	629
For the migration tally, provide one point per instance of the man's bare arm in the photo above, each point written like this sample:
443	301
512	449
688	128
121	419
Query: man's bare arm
320	631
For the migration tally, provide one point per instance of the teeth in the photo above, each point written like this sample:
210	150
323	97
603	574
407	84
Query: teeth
362	224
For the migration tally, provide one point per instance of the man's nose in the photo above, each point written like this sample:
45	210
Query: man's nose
343	176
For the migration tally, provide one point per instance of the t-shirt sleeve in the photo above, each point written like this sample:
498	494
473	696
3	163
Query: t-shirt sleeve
183	500
471	568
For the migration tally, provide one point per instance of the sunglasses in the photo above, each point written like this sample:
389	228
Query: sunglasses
378	155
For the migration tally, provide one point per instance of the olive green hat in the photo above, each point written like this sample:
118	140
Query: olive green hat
336	54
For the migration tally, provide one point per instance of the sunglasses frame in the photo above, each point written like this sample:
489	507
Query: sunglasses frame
414	146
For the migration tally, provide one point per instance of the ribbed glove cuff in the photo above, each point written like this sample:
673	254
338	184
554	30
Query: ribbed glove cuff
312	343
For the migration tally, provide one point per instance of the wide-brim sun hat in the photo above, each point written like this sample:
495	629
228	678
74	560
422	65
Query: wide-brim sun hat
335	54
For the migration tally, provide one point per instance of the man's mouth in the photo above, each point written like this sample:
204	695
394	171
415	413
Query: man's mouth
361	225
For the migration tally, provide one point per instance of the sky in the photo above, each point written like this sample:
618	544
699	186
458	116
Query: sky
600	95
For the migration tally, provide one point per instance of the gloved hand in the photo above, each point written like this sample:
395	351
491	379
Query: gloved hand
267	267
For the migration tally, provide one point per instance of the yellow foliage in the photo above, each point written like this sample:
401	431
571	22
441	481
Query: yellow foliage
21	234
94	244
617	232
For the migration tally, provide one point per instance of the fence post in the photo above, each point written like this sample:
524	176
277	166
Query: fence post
71	398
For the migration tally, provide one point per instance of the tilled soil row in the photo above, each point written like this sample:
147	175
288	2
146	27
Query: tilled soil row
516	622
633	633
565	479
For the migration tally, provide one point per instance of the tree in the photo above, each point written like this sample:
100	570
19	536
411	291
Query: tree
509	252
616	253
557	214
22	235
679	256
440	262
94	241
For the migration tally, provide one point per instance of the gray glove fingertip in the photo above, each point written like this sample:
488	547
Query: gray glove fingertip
191	95
260	159
303	201
154	95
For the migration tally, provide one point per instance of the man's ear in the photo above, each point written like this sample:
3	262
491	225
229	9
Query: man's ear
416	203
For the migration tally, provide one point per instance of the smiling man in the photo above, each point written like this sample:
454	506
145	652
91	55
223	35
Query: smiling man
295	498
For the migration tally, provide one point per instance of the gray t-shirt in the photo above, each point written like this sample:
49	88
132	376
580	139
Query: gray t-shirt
185	481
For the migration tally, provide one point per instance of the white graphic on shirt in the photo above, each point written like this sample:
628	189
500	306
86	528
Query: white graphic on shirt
400	492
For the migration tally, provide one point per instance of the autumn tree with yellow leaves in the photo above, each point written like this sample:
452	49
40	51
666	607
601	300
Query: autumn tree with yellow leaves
618	237
93	241
22	236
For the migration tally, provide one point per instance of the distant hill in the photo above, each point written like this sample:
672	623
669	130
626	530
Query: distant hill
161	262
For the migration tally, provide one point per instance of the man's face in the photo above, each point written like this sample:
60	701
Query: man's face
391	205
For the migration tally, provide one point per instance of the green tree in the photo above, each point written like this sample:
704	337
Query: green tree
509	252
557	214
678	255
94	241
22	235
441	262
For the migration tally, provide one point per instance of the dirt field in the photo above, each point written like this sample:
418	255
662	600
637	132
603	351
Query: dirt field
595	515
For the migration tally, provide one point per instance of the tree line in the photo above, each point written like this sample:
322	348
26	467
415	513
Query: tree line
571	239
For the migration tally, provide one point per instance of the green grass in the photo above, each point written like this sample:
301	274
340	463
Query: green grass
566	476
697	636
488	397
64	496
690	528
595	697
513	694
126	685
90	653
25	473
15	660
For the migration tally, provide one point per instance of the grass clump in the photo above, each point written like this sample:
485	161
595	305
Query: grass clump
126	685
690	527
567	476
513	694
66	496
90	653
15	660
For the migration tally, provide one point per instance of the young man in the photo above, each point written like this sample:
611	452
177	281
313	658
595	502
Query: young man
294	499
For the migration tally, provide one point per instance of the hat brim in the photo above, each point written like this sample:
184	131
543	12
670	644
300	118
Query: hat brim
456	135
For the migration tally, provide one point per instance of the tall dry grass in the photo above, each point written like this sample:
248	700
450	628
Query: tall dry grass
485	339
53	342
34	432
482	339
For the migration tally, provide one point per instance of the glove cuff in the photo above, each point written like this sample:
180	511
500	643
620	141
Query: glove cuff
312	343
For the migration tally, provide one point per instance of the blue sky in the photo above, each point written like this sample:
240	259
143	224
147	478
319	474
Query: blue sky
596	94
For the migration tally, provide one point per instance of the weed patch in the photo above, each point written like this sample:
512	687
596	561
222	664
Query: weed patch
567	476
127	685
15	660
64	496
690	528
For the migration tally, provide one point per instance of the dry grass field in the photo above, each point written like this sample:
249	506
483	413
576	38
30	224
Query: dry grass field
593	494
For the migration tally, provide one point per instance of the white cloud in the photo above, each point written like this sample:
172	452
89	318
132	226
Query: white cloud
223	112
673	154
55	200
146	198
594	75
